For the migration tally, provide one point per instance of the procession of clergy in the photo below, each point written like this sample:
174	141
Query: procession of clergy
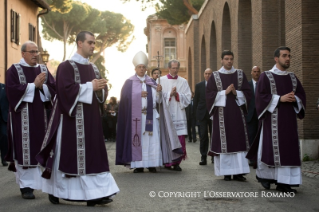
68	143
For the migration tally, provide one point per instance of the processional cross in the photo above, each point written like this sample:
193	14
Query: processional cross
159	58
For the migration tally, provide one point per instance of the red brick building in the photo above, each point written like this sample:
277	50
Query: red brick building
253	29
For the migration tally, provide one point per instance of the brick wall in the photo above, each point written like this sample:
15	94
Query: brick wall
253	29
310	65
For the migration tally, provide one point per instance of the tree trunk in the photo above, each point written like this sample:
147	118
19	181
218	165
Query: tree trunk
64	48
190	7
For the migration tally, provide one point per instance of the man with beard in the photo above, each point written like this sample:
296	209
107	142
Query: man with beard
280	99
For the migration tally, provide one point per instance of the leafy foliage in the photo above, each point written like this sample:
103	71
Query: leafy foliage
175	12
109	28
61	6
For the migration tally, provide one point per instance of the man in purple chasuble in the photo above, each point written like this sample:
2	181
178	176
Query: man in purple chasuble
138	143
227	96
73	151
280	99
176	97
30	88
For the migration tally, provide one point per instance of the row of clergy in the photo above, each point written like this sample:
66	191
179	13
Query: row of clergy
70	145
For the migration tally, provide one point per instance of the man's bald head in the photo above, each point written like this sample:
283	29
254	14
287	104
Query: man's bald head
207	73
255	73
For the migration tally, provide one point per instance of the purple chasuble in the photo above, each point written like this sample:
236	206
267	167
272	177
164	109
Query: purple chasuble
137	114
229	124
280	130
27	122
82	148
171	147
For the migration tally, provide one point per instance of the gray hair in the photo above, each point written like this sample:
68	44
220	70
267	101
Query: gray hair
24	45
173	61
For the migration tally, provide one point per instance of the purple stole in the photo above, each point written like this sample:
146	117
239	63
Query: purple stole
137	114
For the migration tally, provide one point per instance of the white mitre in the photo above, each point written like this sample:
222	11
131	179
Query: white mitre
140	59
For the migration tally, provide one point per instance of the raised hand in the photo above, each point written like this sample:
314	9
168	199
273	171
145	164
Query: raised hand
231	88
98	84
173	92
39	80
159	88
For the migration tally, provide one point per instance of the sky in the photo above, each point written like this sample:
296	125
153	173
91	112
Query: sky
118	64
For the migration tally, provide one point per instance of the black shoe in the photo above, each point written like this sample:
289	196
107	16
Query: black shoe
285	188
102	201
53	199
177	168
203	162
168	167
138	170
152	169
4	163
265	184
212	159
239	177
195	141
190	141
227	177
28	195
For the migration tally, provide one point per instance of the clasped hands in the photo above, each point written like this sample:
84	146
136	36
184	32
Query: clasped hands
289	97
39	80
231	88
173	92
98	84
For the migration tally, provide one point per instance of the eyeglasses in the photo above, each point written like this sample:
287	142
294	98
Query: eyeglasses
33	52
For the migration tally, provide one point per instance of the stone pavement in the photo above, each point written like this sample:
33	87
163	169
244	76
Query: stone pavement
196	188
311	168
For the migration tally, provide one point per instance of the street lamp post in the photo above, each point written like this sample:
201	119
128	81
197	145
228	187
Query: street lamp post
45	56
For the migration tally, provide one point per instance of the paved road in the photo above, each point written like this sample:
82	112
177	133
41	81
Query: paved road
199	181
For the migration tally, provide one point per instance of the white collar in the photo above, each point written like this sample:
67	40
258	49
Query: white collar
275	70
225	71
23	63
254	81
141	78
79	59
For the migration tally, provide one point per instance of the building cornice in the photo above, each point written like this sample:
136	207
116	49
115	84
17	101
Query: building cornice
41	3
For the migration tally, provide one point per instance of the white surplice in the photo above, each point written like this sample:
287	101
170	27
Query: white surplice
151	147
86	187
230	163
177	109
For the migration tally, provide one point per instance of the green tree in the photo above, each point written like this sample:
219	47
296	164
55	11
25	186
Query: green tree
110	28
177	12
57	26
174	11
62	6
